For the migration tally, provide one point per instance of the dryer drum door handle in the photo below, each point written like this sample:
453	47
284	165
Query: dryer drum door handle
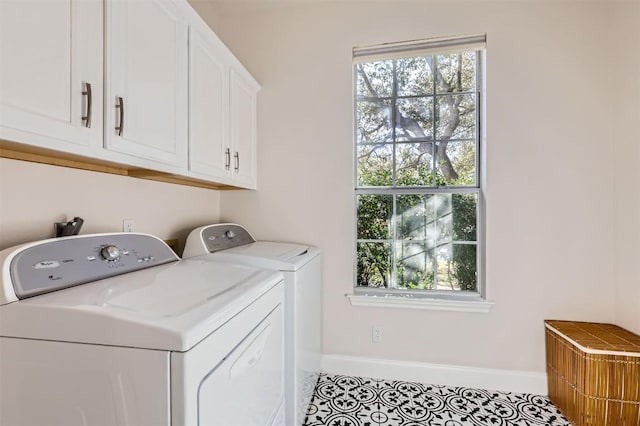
251	355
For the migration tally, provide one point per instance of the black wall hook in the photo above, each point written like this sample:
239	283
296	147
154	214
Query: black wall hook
65	229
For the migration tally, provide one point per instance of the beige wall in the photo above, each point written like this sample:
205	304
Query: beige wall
208	9
34	196
550	204
626	131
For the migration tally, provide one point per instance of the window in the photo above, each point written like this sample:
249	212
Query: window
417	151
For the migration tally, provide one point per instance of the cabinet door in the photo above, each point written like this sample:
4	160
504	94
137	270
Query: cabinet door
242	109
209	150
146	94
50	51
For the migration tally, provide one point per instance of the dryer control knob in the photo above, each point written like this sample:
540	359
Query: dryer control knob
230	234
110	253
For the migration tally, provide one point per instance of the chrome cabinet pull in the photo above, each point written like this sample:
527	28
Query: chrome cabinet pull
87	92
227	160
237	157
120	106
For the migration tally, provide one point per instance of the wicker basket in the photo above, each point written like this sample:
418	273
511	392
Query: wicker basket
594	373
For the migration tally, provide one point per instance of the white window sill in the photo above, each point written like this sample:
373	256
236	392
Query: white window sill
441	303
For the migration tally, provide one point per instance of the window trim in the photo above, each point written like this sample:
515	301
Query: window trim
433	302
463	301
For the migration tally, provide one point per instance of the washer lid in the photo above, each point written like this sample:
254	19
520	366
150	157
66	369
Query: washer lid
168	307
266	254
230	242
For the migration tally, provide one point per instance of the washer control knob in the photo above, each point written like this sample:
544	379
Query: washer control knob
110	253
230	234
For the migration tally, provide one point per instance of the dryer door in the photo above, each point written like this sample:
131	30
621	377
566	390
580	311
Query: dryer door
247	387
236	375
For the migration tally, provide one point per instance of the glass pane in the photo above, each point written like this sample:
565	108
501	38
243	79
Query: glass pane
456	72
374	122
444	218
442	204
415	217
456	117
414	164
375	79
443	229
375	165
415	76
443	261
464	268
374	265
456	162
464	224
414	266
457	268
374	216
414	119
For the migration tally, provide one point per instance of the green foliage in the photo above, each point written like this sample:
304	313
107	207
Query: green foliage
373	265
464	207
464	264
463	267
415	278
374	216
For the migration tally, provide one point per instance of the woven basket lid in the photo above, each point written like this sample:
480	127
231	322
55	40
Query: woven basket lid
597	338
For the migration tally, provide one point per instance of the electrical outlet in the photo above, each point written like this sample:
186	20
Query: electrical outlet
376	334
128	225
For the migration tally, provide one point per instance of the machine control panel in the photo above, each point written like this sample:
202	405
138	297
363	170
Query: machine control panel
66	262
225	236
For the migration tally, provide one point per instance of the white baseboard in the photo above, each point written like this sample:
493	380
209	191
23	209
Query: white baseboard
440	374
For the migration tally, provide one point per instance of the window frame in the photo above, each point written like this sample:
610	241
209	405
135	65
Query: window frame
459	300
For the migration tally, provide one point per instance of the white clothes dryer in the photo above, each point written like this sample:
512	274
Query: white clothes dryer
114	329
301	266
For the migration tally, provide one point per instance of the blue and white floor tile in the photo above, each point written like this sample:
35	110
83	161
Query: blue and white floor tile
358	401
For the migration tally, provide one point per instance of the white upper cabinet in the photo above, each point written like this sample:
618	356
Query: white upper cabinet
51	81
146	87
143	86
222	112
242	110
209	151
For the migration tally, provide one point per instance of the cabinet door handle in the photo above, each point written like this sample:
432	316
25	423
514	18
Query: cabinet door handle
87	92
237	157
227	158
120	107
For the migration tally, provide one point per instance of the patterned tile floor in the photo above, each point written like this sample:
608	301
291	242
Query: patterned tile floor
357	401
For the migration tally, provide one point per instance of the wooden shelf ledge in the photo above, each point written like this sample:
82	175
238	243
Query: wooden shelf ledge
16	151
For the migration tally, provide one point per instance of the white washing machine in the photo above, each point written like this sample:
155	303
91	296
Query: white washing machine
114	329
301	266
